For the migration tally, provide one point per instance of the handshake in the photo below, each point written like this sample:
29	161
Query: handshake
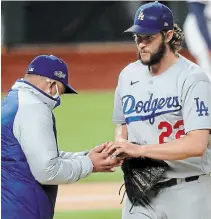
109	155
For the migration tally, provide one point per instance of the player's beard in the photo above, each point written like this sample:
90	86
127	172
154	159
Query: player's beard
155	57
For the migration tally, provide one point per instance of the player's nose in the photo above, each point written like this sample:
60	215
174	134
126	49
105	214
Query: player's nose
141	45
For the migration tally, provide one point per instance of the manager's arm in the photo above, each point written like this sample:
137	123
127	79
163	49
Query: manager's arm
70	155
33	128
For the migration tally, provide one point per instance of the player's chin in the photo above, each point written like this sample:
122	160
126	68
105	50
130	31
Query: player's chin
145	59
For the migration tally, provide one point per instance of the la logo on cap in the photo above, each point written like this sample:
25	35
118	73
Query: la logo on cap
141	16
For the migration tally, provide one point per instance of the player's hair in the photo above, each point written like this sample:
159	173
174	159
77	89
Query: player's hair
175	43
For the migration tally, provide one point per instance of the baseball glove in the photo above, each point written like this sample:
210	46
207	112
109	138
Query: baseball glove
141	176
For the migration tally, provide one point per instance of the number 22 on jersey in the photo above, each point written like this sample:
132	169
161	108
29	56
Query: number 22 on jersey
169	129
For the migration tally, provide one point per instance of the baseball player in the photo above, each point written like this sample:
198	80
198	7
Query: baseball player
197	29
32	167
163	102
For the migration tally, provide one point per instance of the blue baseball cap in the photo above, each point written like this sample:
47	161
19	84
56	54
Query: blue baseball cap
51	67
152	18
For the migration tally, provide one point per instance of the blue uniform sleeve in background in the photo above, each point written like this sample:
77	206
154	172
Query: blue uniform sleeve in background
197	9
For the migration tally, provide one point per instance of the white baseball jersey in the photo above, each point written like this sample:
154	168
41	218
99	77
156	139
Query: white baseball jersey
160	108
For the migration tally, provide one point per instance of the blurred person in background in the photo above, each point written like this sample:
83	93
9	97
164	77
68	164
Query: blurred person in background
32	165
197	29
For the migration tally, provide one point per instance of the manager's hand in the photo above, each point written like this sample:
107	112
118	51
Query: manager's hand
101	161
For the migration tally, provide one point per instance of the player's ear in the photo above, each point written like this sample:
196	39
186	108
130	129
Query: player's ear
168	36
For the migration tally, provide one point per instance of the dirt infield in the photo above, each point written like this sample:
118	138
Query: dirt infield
91	66
89	196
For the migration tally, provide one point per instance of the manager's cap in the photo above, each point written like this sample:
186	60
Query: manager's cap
51	67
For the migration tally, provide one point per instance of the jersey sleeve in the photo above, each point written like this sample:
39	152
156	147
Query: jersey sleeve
118	116
196	105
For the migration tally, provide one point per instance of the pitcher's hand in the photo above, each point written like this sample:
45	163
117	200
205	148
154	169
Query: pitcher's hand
101	160
123	149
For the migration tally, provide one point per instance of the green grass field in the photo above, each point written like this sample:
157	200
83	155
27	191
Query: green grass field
103	214
84	121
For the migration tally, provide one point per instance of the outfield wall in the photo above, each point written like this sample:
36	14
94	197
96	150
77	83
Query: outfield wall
91	66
